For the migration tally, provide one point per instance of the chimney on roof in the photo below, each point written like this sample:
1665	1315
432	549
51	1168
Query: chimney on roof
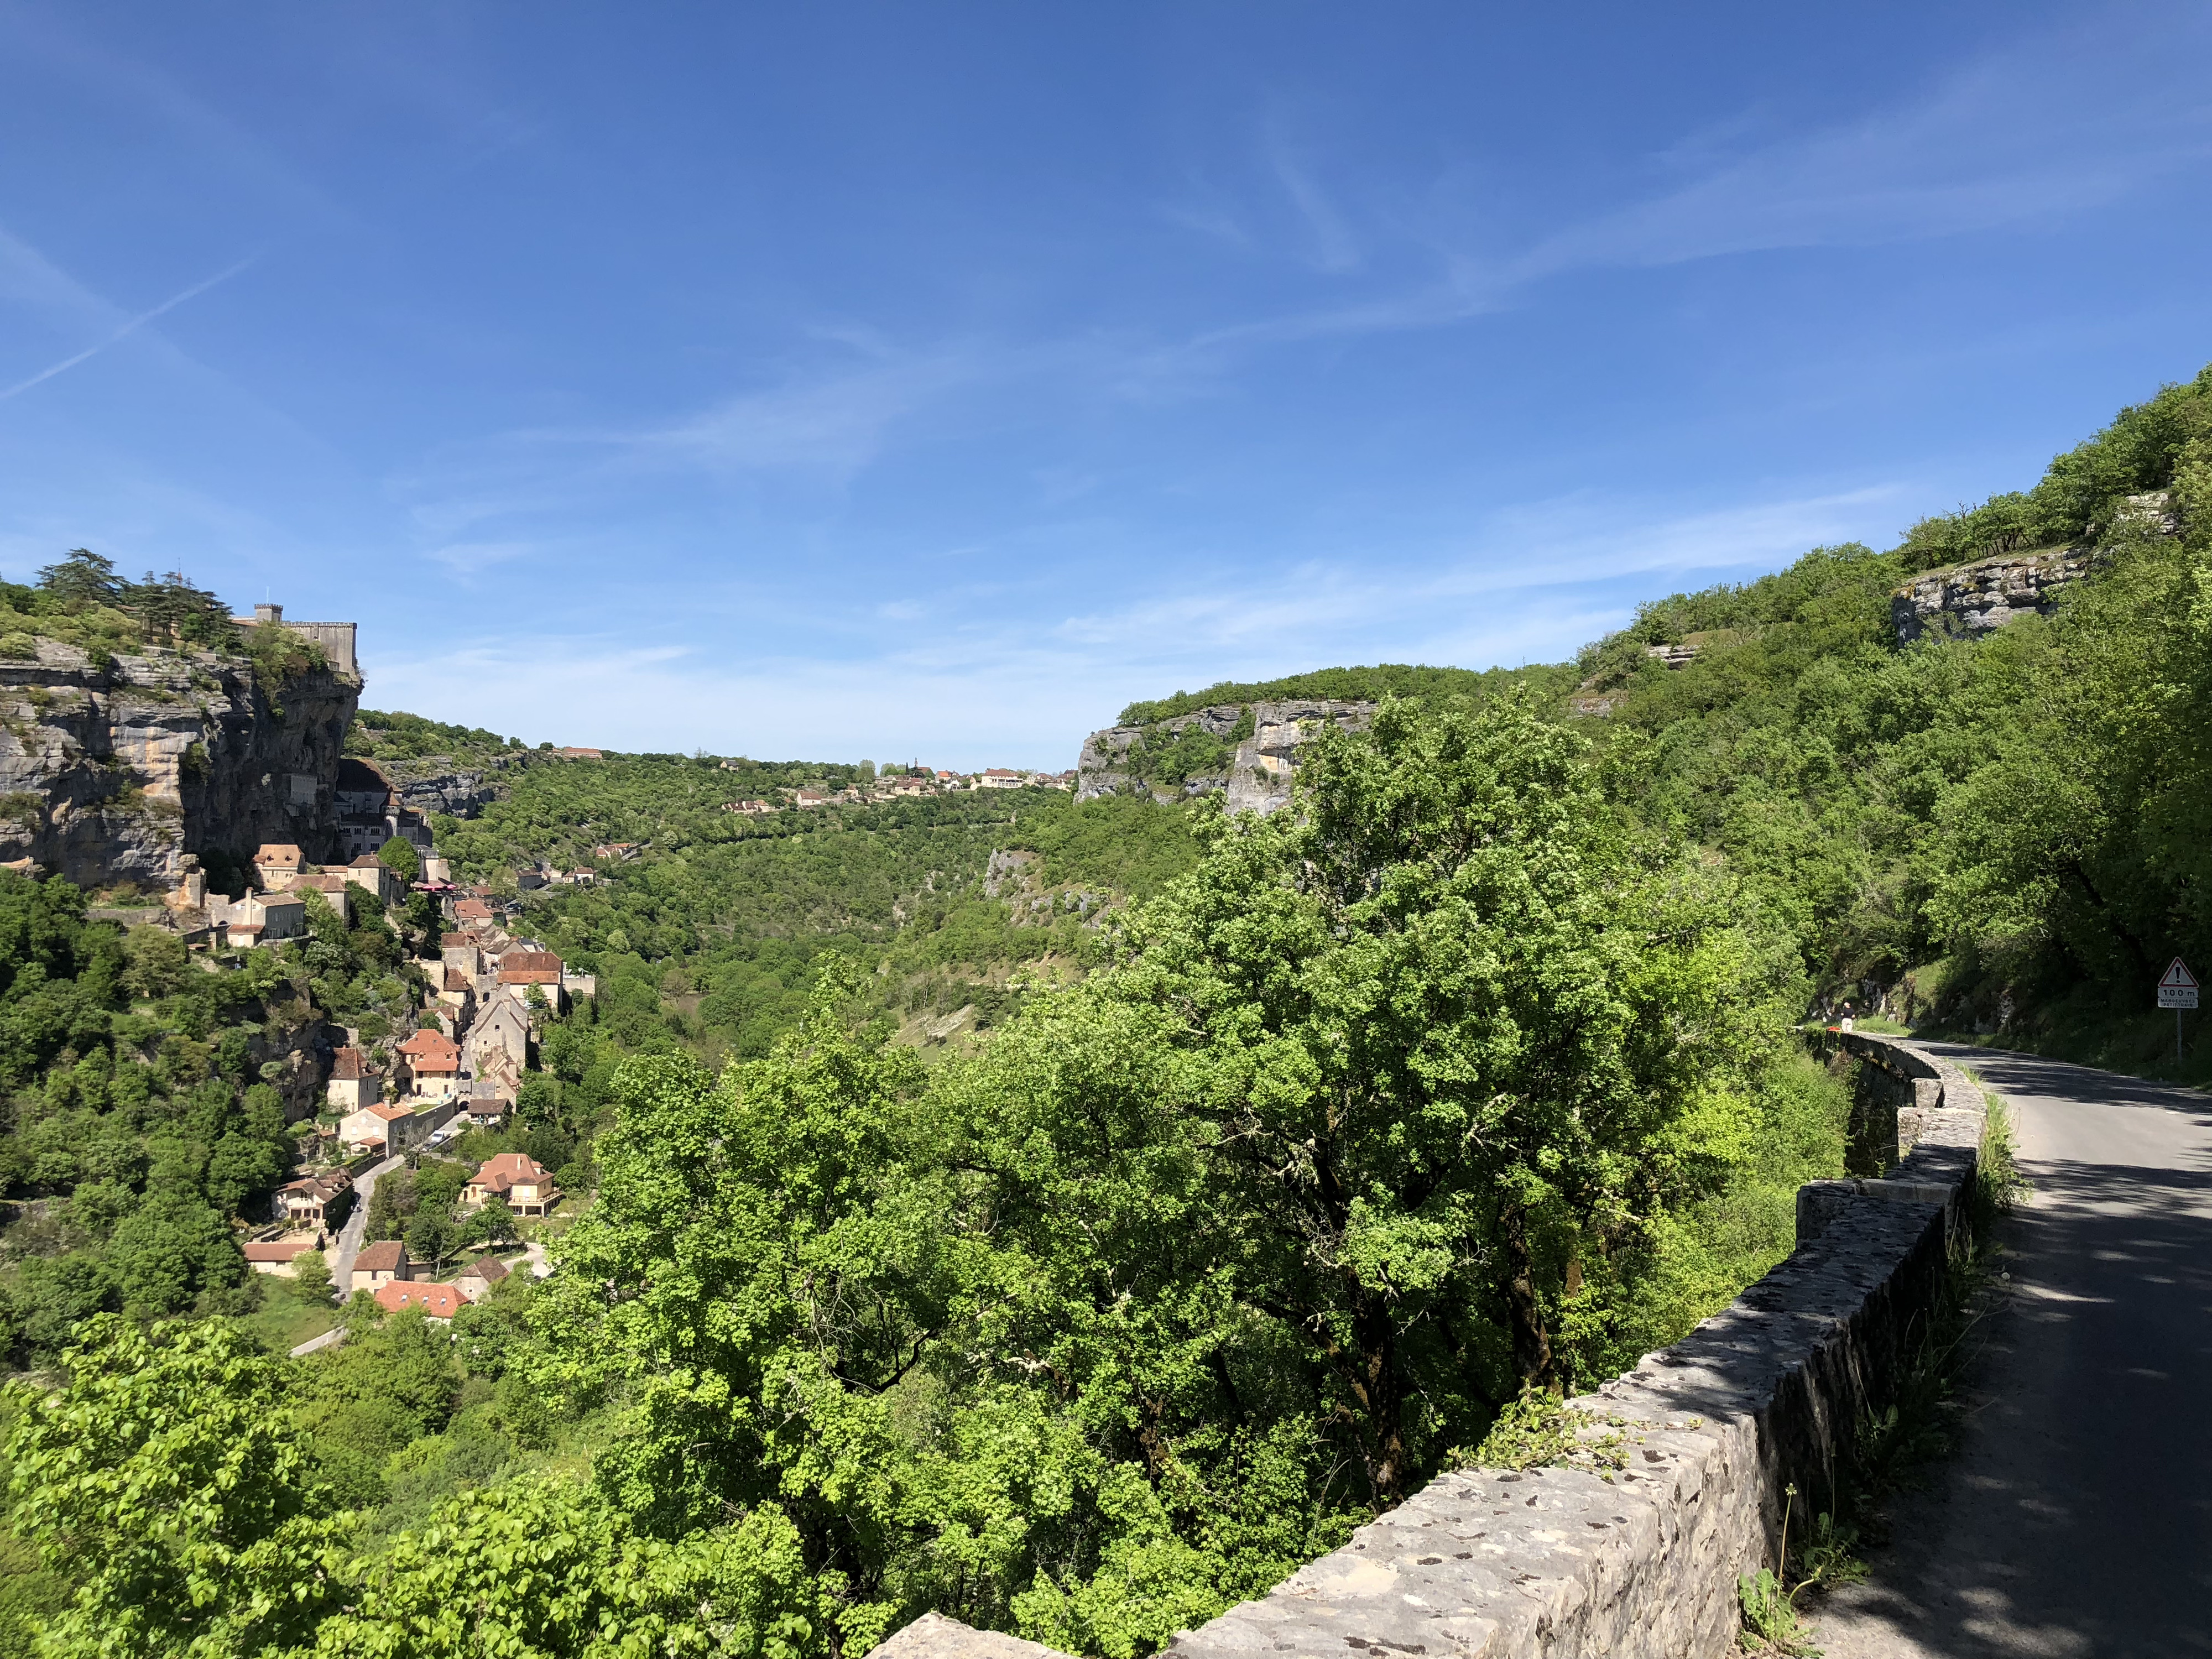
268	613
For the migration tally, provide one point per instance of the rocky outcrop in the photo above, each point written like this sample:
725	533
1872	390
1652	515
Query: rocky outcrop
111	772
435	786
1255	775
1986	594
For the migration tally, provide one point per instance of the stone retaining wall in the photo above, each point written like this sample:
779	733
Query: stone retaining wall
1566	1564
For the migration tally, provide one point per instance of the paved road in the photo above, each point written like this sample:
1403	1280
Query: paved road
329	1339
349	1235
2077	1518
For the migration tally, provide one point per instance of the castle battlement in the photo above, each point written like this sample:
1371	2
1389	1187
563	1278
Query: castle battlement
336	638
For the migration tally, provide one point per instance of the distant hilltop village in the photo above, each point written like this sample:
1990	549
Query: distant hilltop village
889	785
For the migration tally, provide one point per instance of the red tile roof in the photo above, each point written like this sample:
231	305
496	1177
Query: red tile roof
351	1066
499	1174
278	853
491	1270
432	1051
529	967
438	1301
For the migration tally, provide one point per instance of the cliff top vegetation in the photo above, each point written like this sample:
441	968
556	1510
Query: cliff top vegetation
80	601
1425	685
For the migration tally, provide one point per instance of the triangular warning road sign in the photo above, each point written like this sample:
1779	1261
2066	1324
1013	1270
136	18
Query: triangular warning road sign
2177	977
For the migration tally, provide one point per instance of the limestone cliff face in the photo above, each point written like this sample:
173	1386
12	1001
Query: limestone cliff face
1976	597
1986	594
435	785
1257	776
111	773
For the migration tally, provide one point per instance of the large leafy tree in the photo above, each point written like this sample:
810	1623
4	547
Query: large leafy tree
1425	1052
164	1480
1082	1336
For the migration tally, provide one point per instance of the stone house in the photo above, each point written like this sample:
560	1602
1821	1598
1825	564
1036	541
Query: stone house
523	1184
461	951
999	778
263	919
486	1104
458	996
280	1256
380	1264
474	912
276	865
308	1202
520	970
434	1059
367	873
476	1280
354	1083
337	891
369	1128
503	1030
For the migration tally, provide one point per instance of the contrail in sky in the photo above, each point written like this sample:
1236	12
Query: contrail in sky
129	328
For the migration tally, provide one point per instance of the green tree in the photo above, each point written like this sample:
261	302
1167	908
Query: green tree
398	855
549	1569
490	1223
83	577
170	1249
432	1237
391	1383
538	1099
310	1279
1438	1043
157	962
165	1480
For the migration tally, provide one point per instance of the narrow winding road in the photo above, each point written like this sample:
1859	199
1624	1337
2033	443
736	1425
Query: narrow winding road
357	1226
2076	1517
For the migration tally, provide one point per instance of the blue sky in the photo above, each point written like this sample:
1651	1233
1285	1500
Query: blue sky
891	380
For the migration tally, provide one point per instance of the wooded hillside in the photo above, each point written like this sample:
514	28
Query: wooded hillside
1072	1217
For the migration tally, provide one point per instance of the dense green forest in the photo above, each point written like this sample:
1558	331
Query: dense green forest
1423	685
1265	1161
2015	827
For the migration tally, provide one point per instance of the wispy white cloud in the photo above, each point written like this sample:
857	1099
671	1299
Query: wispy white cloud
972	689
1333	248
828	424
1360	599
2061	122
1589	537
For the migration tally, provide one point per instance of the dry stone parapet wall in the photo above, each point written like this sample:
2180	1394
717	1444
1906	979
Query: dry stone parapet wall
1565	1564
